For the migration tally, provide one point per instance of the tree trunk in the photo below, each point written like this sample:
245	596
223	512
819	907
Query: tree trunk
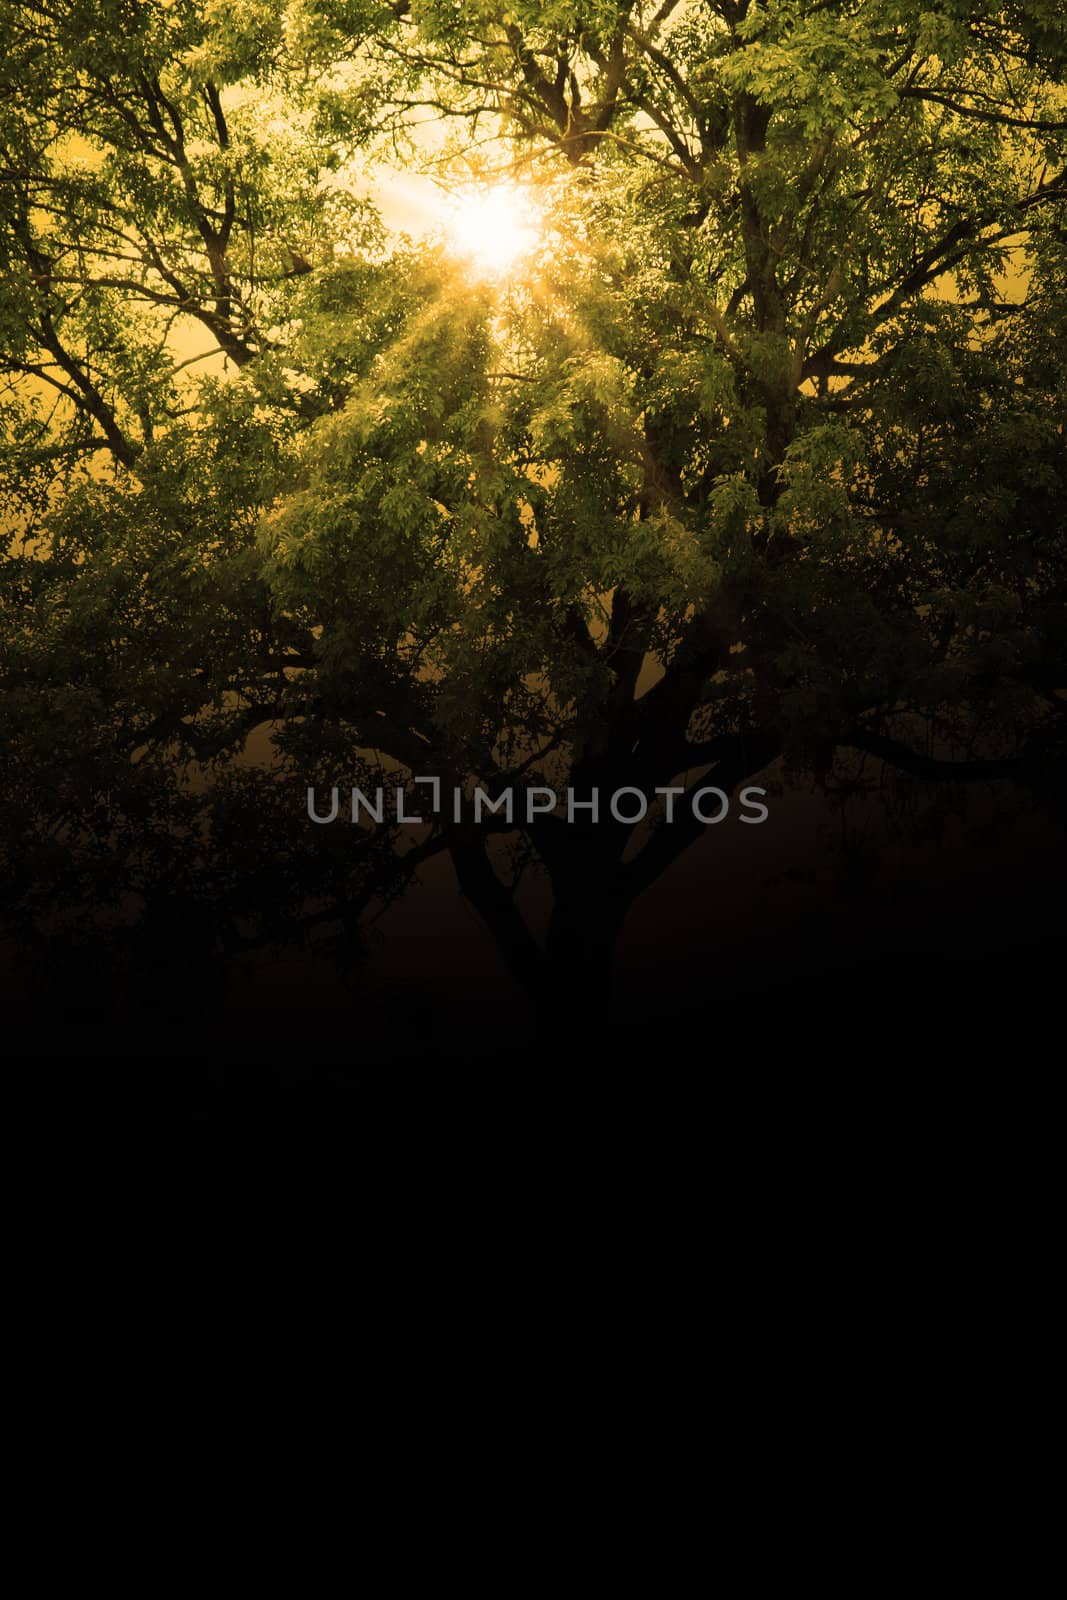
579	965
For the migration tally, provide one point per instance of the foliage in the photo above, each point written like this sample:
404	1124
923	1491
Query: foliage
761	458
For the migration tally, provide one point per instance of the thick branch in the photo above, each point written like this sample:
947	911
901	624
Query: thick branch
908	760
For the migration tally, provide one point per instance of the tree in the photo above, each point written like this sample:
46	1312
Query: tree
759	461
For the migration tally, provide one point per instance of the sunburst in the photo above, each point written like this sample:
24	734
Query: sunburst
495	228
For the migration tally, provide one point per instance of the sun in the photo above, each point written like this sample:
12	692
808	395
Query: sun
492	228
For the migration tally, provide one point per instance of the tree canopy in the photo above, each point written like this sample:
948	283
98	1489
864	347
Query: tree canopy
756	458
